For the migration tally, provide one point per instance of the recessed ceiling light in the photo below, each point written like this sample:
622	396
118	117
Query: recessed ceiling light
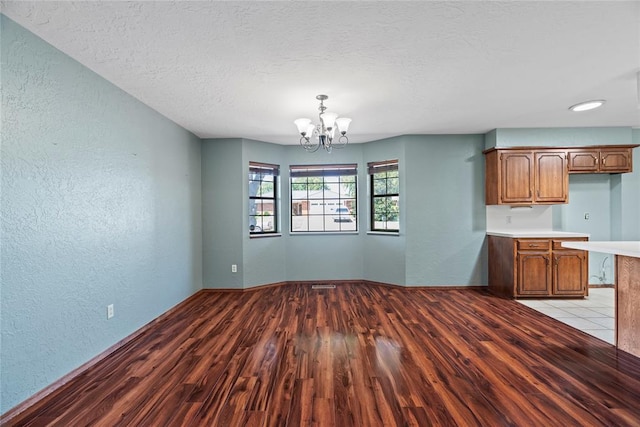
588	105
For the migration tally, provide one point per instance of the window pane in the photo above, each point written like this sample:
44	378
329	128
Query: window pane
379	186
393	186
328	205
266	189
385	187
262	198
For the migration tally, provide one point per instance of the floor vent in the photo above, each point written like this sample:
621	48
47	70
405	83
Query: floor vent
323	286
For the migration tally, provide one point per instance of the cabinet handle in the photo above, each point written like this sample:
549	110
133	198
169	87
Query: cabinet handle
604	161
531	245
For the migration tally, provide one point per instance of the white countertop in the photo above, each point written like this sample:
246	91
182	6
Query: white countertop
521	234
629	248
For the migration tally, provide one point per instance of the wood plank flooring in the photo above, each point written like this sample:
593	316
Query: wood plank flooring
357	355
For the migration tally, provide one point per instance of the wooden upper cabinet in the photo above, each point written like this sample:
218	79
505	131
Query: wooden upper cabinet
552	179
524	177
517	175
603	159
614	160
584	161
540	175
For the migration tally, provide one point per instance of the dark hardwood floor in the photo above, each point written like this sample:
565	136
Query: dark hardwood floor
357	355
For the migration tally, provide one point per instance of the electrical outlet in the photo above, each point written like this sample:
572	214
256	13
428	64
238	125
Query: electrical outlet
508	219
110	311
234	268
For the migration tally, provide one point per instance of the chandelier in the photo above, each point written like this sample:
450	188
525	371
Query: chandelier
322	135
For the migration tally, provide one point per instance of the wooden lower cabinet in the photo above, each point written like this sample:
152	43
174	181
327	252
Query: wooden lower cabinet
533	274
537	268
570	273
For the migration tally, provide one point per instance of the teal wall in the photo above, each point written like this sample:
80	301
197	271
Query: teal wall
384	256
559	137
435	246
264	259
446	215
222	220
100	205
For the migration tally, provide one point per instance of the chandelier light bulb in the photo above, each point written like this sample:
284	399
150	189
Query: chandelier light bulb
343	124
328	119
310	130
303	125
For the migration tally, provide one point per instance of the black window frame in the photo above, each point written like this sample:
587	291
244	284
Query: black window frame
377	168
263	170
329	172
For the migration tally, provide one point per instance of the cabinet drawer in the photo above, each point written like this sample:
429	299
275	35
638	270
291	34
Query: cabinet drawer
557	244
533	245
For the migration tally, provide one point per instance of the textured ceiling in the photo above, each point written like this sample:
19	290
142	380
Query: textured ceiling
248	69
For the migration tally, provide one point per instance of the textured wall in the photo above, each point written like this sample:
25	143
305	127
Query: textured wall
222	218
385	255
100	205
264	259
446	215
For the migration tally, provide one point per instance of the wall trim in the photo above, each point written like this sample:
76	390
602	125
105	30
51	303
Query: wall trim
59	384
343	282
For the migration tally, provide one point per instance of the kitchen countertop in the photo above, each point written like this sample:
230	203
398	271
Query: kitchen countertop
628	248
518	234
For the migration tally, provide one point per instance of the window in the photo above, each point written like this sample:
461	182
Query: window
263	191
385	195
323	198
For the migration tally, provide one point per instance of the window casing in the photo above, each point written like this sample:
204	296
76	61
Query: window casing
324	198
385	196
263	198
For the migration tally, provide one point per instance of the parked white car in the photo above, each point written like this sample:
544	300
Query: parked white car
342	214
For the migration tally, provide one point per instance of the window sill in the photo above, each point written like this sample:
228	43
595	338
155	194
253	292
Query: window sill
264	236
384	233
323	233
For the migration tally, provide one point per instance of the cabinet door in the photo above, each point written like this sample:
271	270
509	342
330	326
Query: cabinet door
552	177
584	161
569	272
615	160
516	182
534	278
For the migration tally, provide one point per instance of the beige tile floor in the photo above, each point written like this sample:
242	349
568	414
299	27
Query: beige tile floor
594	315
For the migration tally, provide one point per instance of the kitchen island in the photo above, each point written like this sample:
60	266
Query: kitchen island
627	259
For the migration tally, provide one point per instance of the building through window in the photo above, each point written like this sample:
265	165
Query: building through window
324	198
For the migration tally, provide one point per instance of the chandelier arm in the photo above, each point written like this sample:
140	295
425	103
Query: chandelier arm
309	146
341	142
